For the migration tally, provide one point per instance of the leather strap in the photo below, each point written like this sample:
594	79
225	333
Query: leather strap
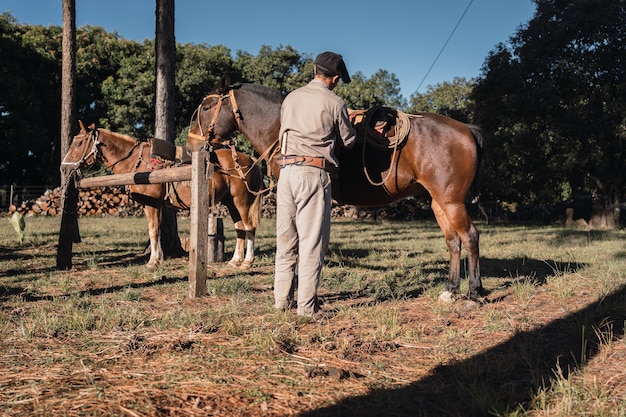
312	161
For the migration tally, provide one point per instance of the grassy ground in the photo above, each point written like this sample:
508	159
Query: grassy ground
110	337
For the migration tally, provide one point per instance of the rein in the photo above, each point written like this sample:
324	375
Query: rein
128	155
210	134
381	143
242	175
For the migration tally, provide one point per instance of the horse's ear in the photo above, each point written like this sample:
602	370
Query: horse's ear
222	86
82	127
92	126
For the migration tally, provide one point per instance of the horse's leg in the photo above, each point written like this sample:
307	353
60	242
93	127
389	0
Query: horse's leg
459	220
454	249
156	253
471	243
239	209
249	257
238	254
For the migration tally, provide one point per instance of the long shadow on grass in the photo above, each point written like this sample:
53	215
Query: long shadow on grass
535	271
500	379
92	292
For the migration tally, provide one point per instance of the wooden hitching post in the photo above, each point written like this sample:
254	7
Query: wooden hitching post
201	171
216	239
68	233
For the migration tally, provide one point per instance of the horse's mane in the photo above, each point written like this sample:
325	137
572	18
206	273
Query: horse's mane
117	135
267	92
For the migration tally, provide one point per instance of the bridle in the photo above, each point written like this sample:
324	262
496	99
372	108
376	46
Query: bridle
93	152
210	132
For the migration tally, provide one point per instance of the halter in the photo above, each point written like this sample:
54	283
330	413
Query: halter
210	133
97	154
93	152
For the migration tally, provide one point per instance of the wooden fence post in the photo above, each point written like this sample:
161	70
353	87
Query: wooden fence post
68	233
200	172
198	230
216	239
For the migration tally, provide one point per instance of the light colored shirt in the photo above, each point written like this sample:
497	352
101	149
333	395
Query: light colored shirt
315	119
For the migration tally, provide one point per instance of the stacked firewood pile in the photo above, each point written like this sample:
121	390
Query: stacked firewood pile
408	209
112	201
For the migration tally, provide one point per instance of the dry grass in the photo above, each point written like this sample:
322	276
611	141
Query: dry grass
112	338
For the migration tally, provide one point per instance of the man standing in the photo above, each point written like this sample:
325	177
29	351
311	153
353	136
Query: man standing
312	120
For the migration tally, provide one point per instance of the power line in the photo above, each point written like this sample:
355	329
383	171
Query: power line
444	45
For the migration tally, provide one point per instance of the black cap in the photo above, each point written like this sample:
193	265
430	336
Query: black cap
334	63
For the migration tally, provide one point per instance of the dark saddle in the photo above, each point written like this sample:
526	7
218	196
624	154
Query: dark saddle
165	152
378	121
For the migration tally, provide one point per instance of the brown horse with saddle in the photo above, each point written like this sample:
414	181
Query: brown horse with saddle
397	155
236	182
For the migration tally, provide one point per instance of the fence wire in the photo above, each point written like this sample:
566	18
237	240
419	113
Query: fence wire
17	194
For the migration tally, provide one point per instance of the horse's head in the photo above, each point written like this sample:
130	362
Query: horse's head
216	118
83	151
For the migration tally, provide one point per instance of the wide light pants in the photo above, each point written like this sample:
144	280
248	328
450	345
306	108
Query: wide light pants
303	203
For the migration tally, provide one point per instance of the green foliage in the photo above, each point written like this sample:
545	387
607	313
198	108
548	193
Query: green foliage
282	69
383	89
19	224
450	99
99	55
198	69
551	101
115	88
130	94
554	103
29	102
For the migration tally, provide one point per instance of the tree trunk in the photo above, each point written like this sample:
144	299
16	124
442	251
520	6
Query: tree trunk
604	217
68	77
164	109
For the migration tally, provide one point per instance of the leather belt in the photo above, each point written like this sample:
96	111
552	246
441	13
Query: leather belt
311	161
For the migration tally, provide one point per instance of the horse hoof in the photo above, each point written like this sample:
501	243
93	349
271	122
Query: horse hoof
447	297
479	295
470	305
152	265
234	263
245	265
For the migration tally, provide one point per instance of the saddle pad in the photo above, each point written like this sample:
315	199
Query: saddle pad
163	149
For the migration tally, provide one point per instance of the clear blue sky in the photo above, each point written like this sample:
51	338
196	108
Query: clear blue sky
403	37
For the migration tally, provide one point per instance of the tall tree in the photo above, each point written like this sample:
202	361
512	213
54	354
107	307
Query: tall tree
30	116
554	101
450	98
164	124
165	45
382	89
68	75
280	68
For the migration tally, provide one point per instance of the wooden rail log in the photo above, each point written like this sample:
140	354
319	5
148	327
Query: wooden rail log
153	177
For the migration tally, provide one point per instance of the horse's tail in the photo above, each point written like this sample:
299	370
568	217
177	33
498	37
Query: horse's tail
255	210
480	147
256	183
478	137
